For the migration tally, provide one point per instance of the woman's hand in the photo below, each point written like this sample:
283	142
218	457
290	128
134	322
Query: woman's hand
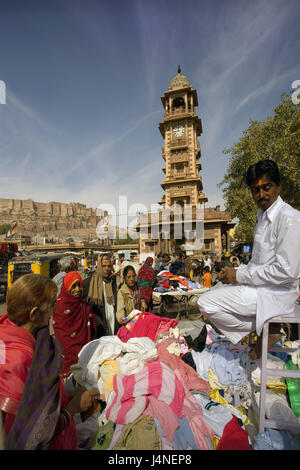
143	306
88	399
82	401
122	321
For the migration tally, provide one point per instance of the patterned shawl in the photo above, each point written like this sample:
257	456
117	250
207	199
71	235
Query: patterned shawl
95	295
39	407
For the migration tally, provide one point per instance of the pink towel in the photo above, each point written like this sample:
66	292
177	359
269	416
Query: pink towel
132	392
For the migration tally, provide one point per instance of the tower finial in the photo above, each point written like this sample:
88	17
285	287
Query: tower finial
179	69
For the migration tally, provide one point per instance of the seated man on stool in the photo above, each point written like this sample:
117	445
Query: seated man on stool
268	285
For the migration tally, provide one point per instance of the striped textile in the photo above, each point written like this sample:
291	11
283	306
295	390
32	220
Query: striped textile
130	396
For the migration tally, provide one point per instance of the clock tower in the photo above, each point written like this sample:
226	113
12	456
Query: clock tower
181	152
182	184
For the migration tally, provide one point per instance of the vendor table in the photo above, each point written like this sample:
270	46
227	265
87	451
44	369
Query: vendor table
166	300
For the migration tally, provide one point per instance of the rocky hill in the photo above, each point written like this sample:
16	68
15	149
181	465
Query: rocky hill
51	218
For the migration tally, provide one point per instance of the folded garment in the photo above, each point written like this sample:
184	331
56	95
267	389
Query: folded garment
202	360
226	367
198	344
147	325
216	416
132	315
184	437
95	353
166	417
142	434
131	393
104	436
234	437
107	371
190	377
188	359
201	430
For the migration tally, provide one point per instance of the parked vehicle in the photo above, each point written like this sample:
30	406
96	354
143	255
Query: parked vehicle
46	264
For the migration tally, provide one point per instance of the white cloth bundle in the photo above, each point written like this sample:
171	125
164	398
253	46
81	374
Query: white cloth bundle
132	356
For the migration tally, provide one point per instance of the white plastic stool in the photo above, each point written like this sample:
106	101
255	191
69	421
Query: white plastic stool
263	421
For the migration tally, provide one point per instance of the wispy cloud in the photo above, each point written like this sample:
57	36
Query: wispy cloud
101	150
269	86
238	56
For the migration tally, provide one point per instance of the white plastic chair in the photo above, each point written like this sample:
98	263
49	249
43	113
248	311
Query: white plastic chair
265	372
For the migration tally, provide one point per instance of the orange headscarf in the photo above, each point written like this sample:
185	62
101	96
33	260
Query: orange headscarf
70	278
72	322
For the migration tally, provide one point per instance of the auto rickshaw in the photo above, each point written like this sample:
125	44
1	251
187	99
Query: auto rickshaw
45	264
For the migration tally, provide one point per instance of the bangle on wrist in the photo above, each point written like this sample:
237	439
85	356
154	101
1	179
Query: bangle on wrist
67	417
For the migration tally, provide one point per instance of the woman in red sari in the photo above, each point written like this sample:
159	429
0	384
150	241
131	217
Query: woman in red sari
74	323
38	413
145	280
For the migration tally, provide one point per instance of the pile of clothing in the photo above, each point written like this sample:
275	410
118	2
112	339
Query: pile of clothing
168	282
164	385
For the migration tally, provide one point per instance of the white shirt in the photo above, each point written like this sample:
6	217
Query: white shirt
207	262
109	313
274	268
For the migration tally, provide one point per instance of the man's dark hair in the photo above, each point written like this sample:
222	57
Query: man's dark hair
263	167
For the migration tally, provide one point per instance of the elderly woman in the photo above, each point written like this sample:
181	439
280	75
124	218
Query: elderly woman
73	322
129	295
38	413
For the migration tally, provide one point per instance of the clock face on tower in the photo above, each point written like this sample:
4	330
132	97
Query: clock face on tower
178	131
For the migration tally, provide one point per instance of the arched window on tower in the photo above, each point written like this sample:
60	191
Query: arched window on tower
178	103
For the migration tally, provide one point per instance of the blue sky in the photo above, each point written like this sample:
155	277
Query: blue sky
84	81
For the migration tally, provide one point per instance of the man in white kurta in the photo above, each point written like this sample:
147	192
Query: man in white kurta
268	285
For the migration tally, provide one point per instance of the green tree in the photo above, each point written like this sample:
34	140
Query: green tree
277	137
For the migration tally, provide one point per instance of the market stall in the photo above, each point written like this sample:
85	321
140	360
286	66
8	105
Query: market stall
173	294
166	301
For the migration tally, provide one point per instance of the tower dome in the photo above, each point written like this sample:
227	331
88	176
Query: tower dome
180	81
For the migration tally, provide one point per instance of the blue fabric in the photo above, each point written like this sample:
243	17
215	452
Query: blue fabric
184	436
272	439
227	368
